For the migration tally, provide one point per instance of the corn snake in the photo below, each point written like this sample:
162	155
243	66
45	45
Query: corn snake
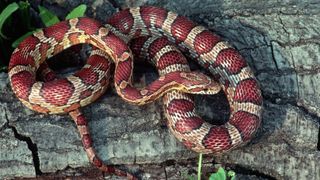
211	52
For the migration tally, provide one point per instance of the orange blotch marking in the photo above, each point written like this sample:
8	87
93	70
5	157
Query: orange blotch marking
144	92
96	95
58	48
40	109
72	107
74	38
103	31
123	84
125	56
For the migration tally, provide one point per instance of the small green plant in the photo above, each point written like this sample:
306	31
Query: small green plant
16	25
198	177
19	10
222	174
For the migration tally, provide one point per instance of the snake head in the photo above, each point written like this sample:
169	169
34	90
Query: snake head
199	83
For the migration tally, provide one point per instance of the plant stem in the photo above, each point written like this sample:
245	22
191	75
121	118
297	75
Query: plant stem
199	166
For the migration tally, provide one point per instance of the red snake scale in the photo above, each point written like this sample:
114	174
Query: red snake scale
171	34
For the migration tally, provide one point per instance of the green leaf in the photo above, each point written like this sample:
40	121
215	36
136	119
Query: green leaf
231	175
20	39
77	12
5	14
219	175
48	18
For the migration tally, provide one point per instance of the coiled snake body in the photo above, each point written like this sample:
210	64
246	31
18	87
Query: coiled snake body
210	51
